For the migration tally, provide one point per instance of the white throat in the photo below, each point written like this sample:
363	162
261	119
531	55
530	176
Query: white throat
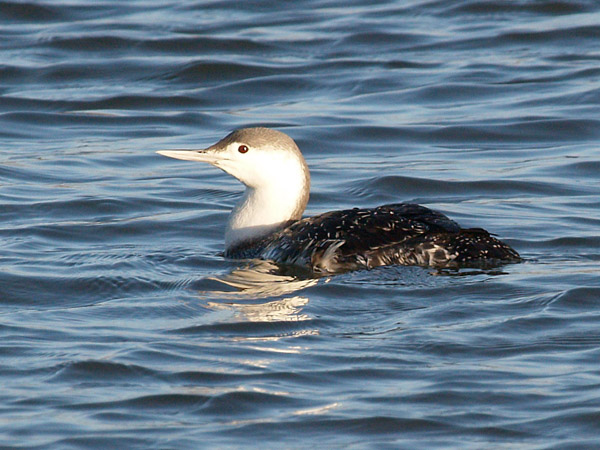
264	209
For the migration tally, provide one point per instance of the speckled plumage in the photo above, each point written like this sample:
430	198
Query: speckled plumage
402	233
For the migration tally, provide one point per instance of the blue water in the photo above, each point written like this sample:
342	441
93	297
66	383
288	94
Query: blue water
122	326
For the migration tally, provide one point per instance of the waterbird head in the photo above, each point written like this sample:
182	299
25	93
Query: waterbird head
257	157
276	176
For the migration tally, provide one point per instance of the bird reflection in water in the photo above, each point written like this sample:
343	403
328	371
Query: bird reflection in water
260	280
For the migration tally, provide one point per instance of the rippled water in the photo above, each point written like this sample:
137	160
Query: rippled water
122	326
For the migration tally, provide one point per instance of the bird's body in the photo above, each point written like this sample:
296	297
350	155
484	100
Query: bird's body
266	223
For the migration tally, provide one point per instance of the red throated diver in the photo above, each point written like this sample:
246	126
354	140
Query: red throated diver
267	221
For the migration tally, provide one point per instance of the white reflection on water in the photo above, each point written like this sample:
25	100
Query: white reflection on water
282	310
261	279
254	298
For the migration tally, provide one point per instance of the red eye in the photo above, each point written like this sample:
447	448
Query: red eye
243	148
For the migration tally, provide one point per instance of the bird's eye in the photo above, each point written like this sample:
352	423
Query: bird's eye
243	148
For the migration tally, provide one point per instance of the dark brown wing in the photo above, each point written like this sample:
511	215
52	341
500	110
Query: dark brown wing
342	240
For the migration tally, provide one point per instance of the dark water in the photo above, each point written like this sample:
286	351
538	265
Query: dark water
121	326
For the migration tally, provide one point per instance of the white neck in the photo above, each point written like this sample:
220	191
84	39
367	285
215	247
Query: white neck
264	209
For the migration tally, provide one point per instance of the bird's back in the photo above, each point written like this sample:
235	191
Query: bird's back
356	238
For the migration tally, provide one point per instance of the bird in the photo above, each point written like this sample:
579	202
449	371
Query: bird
266	223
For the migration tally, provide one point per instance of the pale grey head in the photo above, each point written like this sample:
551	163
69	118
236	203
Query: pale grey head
273	169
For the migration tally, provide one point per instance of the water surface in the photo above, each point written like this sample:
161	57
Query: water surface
121	324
